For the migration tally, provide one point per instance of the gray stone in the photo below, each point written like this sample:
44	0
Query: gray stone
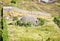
31	19
1	2
47	1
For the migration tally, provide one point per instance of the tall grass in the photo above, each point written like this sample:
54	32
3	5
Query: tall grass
5	32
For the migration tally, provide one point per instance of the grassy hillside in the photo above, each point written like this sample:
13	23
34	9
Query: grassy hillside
53	8
5	31
47	32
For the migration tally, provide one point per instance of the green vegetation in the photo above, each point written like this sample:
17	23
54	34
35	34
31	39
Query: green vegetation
13	1
24	32
5	32
20	23
41	21
57	21
0	24
0	34
44	33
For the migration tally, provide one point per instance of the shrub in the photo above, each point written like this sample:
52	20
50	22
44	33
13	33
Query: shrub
57	21
41	21
20	23
13	1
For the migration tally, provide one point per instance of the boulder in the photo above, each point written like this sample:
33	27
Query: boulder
31	19
1	2
47	1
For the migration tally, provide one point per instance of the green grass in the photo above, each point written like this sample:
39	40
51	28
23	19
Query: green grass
5	32
57	21
39	33
44	33
47	32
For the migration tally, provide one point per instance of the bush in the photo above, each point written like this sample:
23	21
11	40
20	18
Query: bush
57	21
41	21
20	23
13	1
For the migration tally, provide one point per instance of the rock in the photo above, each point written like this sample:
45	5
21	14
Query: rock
1	2
31	19
47	1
